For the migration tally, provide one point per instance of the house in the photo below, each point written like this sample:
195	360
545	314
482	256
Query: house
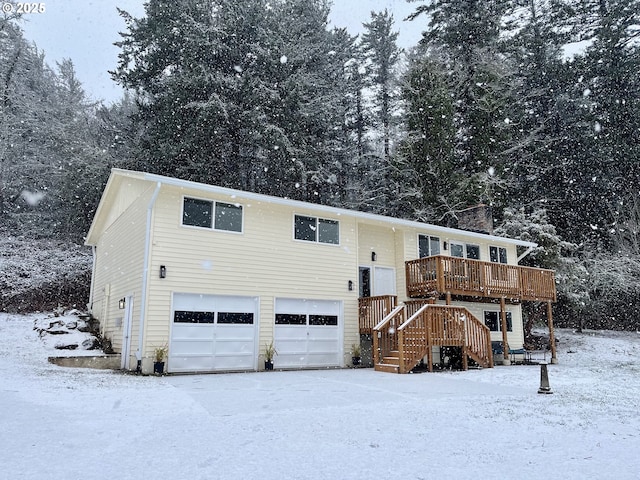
217	274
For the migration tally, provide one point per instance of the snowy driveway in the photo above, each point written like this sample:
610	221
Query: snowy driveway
64	423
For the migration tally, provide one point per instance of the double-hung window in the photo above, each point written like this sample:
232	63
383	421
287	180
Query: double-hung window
313	229
210	214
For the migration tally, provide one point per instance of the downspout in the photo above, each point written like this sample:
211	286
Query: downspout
145	274
92	287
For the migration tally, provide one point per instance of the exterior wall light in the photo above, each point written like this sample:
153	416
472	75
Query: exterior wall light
374	257
163	271
121	303
350	284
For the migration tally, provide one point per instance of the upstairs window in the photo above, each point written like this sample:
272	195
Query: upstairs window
228	217
313	229
209	214
465	250
428	246
197	213
498	254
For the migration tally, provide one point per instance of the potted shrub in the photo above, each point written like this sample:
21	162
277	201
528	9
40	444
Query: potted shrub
269	353
355	354
159	354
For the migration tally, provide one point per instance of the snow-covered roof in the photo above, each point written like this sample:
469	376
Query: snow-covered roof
297	204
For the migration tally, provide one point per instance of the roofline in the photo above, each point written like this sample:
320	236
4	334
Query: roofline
152	177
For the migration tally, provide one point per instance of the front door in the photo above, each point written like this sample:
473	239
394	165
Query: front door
384	281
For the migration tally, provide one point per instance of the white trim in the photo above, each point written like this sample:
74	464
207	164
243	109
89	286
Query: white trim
145	271
299	205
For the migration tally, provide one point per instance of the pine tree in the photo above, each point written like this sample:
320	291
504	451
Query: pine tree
244	94
465	36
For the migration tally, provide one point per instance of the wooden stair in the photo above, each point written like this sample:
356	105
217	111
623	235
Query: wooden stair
400	343
390	363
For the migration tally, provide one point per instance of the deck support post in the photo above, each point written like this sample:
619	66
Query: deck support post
448	298
505	343
552	335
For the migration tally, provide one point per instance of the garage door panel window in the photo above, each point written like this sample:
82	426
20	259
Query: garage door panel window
323	320
235	318
290	319
193	317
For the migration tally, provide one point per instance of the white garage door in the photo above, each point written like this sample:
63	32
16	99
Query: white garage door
308	333
212	332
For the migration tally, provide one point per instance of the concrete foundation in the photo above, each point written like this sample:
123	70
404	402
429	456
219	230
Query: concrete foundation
101	362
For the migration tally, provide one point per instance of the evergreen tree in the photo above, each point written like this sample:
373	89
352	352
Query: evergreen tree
379	43
246	94
481	81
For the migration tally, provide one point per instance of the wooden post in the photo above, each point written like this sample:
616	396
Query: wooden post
505	342
552	335
448	298
401	365
490	349
465	361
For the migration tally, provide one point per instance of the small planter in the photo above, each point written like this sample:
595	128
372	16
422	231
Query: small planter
158	368
159	354
269	352
355	354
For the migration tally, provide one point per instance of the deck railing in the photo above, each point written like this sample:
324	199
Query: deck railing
372	310
433	276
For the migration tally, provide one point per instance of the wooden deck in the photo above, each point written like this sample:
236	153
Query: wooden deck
440	275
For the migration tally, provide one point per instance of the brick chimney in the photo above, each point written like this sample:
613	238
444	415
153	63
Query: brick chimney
476	219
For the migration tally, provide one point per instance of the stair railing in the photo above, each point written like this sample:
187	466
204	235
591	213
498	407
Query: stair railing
478	340
414	339
442	325
385	334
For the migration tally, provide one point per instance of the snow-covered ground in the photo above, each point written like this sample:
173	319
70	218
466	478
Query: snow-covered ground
66	423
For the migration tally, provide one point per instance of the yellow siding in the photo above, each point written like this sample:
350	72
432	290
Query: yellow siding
264	261
118	271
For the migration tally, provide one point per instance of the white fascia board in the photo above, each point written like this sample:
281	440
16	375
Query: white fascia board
299	205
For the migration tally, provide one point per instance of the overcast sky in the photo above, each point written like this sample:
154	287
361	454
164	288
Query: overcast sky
85	30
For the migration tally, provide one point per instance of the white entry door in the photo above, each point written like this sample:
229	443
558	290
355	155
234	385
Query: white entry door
213	333
384	281
308	333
